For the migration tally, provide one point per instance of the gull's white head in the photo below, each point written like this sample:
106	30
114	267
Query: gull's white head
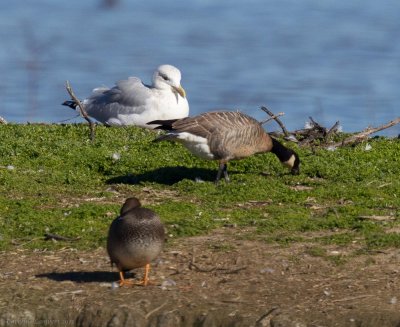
168	77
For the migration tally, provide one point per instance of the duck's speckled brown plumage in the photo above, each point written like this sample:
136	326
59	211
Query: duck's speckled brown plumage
136	237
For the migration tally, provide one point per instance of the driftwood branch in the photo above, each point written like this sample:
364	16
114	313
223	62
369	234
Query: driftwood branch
81	109
318	135
275	117
359	137
271	118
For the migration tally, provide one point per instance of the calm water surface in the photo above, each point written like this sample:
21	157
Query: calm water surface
332	60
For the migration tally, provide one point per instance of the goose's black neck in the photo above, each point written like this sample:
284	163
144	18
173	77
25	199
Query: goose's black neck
282	152
286	156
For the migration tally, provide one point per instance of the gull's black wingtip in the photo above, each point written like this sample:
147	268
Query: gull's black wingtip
165	125
69	103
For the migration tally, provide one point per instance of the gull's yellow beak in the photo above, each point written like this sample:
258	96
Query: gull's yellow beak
179	90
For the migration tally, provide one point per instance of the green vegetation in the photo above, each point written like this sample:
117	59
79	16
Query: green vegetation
54	180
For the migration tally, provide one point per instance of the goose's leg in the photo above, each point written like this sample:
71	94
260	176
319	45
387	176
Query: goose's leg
223	167
220	169
225	170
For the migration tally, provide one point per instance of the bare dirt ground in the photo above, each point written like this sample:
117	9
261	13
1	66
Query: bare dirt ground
220	279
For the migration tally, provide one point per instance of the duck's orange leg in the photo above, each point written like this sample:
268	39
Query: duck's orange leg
123	281
145	281
146	275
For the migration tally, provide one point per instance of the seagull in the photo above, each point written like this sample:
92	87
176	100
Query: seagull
135	238
225	136
131	102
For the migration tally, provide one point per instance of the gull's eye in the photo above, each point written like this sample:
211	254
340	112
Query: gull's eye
164	77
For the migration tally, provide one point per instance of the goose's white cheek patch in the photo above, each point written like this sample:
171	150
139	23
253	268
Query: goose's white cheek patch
290	163
196	144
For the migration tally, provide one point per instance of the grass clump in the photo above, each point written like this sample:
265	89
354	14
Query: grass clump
53	179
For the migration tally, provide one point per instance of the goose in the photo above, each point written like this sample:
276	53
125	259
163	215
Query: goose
130	102
225	136
135	238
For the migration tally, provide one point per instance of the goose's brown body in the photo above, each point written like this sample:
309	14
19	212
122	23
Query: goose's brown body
225	136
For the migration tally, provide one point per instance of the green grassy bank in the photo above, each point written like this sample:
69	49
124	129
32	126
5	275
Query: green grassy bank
54	180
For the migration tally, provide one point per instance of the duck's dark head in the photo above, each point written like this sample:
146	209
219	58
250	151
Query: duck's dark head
130	203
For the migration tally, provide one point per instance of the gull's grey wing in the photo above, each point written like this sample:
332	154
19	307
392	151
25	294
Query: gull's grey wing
126	97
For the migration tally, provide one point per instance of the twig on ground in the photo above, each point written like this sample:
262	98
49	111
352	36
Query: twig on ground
384	184
232	271
265	315
69	292
82	110
352	298
223	270
377	218
193	265
279	122
56	237
154	310
15	242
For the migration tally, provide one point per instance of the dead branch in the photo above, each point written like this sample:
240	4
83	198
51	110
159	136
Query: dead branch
315	132
82	110
318	135
332	130
3	121
279	122
359	137
56	237
271	118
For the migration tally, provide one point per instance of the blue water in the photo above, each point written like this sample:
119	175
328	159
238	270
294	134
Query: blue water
332	60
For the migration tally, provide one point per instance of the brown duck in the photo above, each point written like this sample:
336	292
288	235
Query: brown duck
135	238
225	136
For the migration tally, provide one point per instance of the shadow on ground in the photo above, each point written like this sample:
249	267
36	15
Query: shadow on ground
167	176
81	276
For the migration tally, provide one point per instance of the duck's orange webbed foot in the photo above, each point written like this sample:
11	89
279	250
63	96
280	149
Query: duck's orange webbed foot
145	281
124	282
